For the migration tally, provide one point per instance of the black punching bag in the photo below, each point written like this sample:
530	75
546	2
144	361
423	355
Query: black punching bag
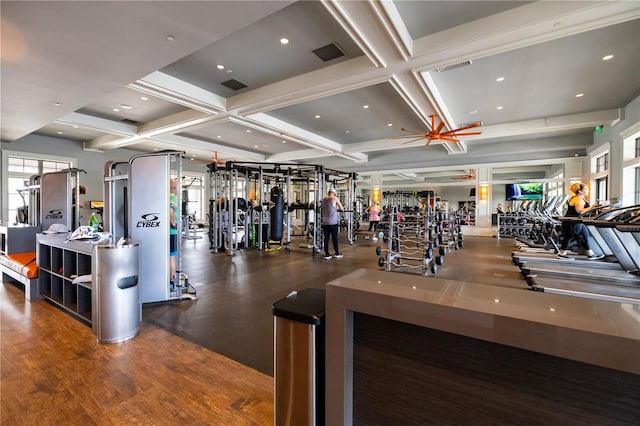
277	214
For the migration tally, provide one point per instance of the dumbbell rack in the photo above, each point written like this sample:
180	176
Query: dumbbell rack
404	254
514	225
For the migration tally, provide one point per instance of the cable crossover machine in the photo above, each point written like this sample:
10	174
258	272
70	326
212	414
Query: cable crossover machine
255	205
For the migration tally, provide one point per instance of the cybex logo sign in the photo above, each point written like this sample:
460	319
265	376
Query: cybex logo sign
54	214
149	220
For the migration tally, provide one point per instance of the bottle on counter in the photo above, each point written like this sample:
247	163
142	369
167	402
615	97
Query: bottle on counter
93	223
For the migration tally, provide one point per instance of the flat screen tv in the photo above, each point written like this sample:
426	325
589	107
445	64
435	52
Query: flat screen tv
524	191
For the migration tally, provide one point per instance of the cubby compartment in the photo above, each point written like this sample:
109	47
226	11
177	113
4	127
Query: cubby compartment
44	283
84	264
44	257
59	262
70	264
84	302
57	289
70	298
56	261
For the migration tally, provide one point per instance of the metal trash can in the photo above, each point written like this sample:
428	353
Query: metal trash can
299	358
116	292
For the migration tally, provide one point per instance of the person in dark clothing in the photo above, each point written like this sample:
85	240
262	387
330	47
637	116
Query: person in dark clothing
331	205
577	205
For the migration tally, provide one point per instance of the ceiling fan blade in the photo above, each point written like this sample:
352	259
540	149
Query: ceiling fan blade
412	131
440	126
418	135
413	140
453	133
449	139
470	126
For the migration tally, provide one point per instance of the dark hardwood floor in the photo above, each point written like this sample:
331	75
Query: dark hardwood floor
206	361
232	315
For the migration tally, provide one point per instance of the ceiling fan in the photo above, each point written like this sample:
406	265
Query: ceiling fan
470	176
215	159
435	133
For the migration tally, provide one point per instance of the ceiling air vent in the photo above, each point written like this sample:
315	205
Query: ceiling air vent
233	84
329	52
129	121
454	66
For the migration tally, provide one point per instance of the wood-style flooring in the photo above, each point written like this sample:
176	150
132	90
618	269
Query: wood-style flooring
207	361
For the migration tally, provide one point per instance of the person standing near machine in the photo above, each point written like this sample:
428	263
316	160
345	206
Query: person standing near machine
173	230
577	205
331	206
374	216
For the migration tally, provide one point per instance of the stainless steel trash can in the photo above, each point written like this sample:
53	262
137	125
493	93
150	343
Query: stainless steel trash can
116	292
299	358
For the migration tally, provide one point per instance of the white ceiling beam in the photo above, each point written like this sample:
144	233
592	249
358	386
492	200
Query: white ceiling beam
530	24
187	142
558	123
98	124
172	89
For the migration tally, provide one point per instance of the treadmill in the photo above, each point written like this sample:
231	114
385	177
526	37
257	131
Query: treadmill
622	284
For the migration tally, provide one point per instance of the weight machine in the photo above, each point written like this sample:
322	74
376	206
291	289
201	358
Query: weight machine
137	206
250	204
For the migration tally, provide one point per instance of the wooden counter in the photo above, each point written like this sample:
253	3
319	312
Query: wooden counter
403	349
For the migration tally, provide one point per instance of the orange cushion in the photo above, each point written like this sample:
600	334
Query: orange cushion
24	263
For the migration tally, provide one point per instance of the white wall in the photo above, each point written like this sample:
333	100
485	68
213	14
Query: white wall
92	162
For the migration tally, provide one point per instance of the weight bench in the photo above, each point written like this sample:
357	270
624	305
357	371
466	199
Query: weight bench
22	268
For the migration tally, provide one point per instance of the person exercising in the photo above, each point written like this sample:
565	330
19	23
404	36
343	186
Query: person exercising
173	230
374	216
576	206
330	207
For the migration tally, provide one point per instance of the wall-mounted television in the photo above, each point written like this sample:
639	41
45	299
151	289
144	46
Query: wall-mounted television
524	191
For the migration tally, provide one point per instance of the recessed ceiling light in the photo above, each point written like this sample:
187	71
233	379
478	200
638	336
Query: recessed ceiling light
347	131
499	107
220	66
56	104
229	71
284	41
75	127
284	141
317	116
365	106
125	106
499	79
219	136
255	146
144	98
60	133
473	111
389	124
155	149
248	130
192	158
170	38
116	110
193	155
606	58
579	95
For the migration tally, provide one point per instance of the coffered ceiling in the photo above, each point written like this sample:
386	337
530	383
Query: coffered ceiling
213	77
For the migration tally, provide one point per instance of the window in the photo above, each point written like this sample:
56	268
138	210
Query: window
602	163
601	189
19	171
637	186
194	190
631	165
